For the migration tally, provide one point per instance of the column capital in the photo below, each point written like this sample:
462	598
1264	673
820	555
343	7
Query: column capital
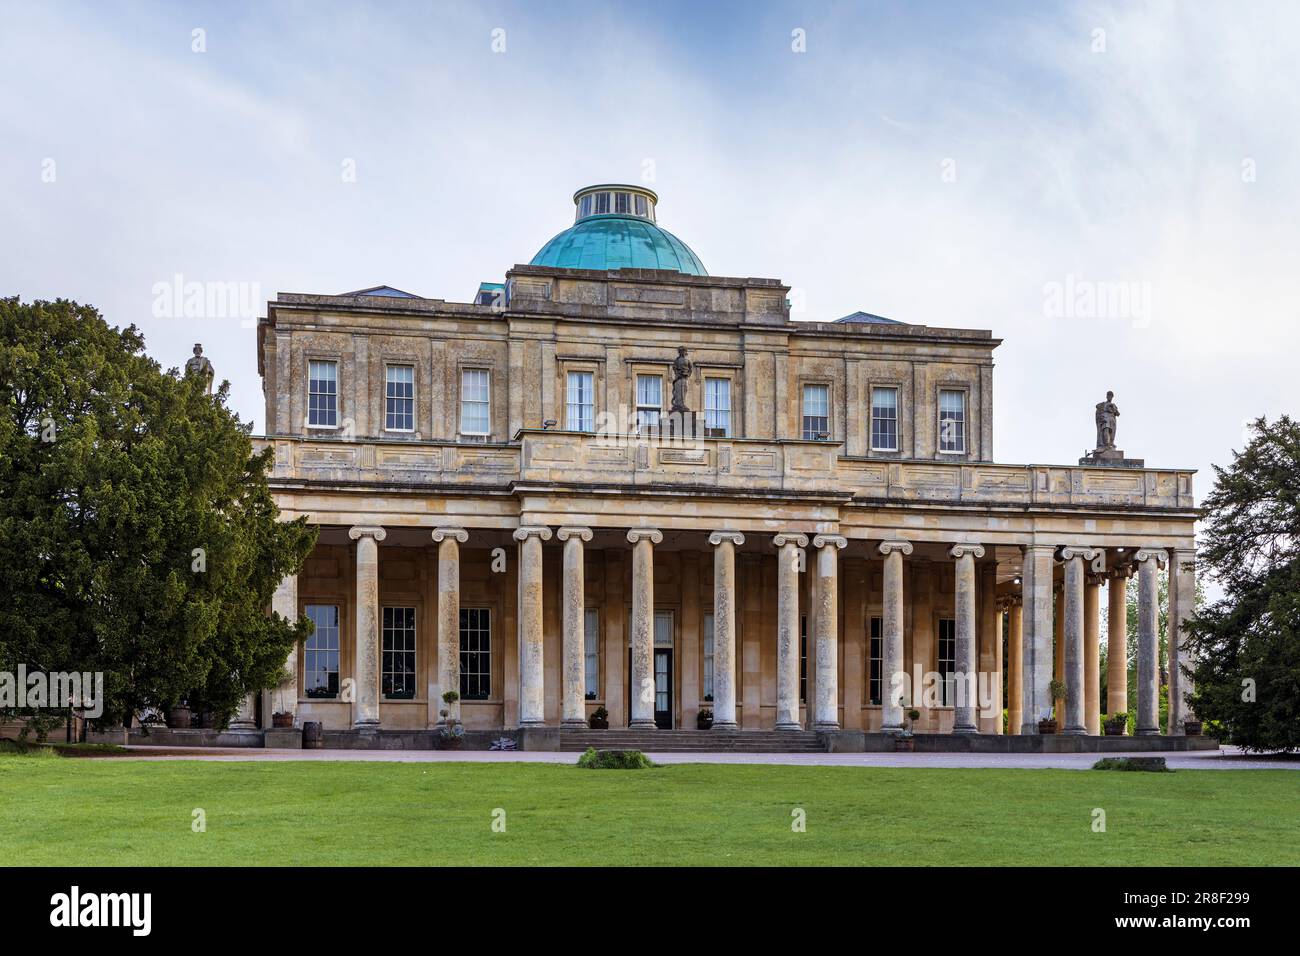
653	535
1160	554
367	531
1070	551
1030	548
962	550
524	532
1185	558
887	547
790	537
455	534
567	532
1006	602
830	540
1095	579
735	537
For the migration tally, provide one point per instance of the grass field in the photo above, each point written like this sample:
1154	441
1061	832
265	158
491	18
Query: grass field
55	810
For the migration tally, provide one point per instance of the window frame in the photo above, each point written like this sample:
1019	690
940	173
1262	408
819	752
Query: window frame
947	678
414	413
829	430
568	400
483	653
729	382
487	403
708	633
964	392
335	395
337	650
411	632
897	419
875	660
639	407
590	655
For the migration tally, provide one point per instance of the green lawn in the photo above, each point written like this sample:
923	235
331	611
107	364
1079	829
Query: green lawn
106	811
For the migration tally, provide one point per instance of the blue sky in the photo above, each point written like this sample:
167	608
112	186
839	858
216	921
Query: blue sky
944	164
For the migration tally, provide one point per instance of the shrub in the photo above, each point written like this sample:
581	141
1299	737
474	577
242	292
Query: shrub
1149	764
595	759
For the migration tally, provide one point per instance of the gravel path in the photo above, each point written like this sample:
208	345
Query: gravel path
1226	758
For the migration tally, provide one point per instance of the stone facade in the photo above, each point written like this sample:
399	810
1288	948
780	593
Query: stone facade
792	577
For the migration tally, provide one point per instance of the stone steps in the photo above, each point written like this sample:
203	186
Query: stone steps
692	741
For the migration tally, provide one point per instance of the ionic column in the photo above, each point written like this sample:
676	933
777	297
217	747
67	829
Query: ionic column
1072	615
1092	654
1058	652
643	626
532	681
787	630
1148	695
893	675
573	712
1015	661
365	709
967	677
1117	641
1182	601
1036	643
724	627
826	712
449	541
284	602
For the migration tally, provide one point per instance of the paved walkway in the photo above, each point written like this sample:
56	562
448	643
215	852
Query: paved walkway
1226	758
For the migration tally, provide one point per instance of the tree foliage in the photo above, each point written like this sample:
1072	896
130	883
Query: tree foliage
138	536
1247	645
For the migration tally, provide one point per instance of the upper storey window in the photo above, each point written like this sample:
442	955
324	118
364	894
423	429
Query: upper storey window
475	399
816	412
884	419
649	401
601	207
717	408
580	403
322	394
952	421
399	398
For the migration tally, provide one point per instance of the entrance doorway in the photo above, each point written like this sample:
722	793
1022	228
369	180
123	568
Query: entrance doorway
663	688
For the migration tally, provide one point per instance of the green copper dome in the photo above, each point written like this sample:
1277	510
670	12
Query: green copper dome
615	229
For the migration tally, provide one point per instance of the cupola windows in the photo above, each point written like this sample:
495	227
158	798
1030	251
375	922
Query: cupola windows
615	201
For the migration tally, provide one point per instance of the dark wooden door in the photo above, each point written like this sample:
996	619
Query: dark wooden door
663	688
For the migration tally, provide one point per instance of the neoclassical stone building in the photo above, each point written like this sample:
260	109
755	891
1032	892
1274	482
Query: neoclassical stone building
617	481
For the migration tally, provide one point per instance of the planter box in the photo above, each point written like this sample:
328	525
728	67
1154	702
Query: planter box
282	721
1047	727
1116	730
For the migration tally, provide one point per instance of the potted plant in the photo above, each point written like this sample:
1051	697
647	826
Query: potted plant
1116	724
1192	727
599	719
281	717
451	732
178	716
1048	724
704	719
905	740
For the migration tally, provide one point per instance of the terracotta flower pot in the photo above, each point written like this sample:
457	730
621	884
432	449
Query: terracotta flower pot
1116	729
1047	727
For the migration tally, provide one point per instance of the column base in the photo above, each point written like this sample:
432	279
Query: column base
826	726
643	725
891	728
242	727
1074	732
1148	732
573	723
968	729
730	726
789	725
366	726
1029	728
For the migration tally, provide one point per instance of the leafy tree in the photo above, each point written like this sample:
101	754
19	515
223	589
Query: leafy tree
1246	646
138	536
